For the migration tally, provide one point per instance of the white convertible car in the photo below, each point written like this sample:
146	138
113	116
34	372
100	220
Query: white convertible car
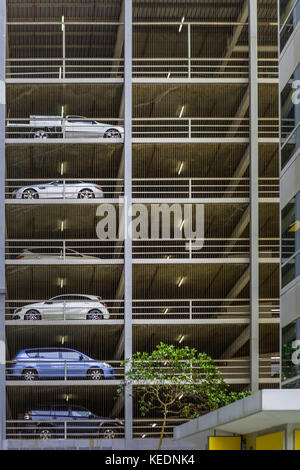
65	307
59	190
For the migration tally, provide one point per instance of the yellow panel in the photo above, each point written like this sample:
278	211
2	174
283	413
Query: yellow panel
297	440
270	441
225	443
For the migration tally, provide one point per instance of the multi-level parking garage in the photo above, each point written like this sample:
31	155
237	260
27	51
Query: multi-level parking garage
177	77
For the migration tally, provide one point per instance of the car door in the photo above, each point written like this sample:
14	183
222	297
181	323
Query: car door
53	190
71	189
73	307
74	363
54	310
81	424
79	128
50	364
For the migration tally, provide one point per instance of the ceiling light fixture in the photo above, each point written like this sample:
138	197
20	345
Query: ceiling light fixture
181	111
181	24
180	168
181	225
180	281
181	339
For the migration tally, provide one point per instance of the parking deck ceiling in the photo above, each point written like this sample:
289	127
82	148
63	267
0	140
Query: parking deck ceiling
47	100
79	161
213	339
36	282
200	281
205	100
73	10
97	399
149	281
205	160
97	341
143	10
80	221
149	160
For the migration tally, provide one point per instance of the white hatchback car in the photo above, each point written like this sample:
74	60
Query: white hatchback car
65	307
59	190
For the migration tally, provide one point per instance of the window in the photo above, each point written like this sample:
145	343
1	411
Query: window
290	334
290	240
49	354
71	355
290	118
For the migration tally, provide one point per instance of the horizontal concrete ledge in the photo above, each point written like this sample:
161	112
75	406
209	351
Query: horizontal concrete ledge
162	321
62	81
37	323
105	383
96	444
146	140
202	140
95	201
59	383
100	140
158	200
204	200
47	262
199	80
262	410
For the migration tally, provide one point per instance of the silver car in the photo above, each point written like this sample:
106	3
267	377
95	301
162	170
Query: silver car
65	307
59	190
69	253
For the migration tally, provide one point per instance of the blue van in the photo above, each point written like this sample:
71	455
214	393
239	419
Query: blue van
60	363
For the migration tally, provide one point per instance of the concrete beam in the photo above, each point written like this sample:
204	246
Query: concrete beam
238	343
236	35
240	285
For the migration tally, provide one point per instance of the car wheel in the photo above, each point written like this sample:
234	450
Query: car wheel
112	133
40	134
94	315
86	194
32	315
109	433
30	194
45	433
95	374
29	375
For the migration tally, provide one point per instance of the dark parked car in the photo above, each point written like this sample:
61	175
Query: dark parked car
48	363
65	422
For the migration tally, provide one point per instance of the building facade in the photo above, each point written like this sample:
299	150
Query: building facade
289	67
169	111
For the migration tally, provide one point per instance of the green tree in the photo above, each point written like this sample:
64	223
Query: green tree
176	382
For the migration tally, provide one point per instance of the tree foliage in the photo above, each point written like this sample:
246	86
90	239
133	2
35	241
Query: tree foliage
176	382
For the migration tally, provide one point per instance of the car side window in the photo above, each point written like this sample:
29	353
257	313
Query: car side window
70	355
49	354
32	354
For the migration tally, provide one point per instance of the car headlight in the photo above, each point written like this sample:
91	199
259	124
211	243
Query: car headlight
18	310
106	365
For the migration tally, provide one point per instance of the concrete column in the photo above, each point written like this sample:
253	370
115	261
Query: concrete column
254	225
127	208
2	225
